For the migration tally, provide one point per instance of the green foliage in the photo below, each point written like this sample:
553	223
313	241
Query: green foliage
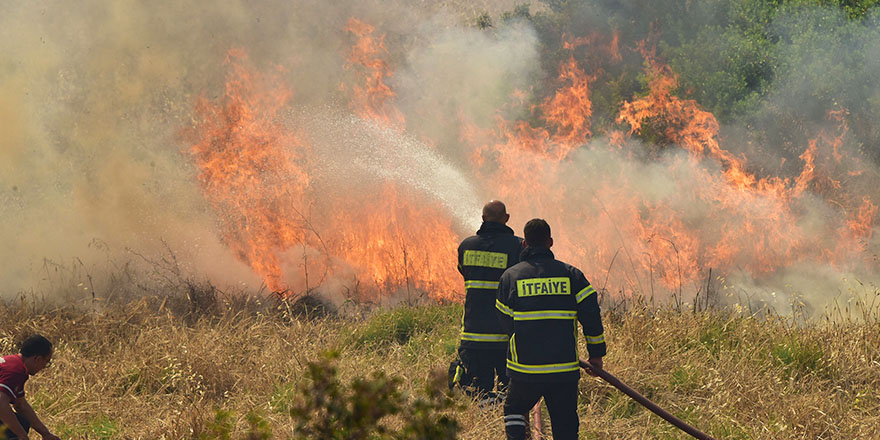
520	12
716	335
103	428
797	357
223	426
399	325
723	69
280	400
773	65
366	408
685	379
621	406
484	21
729	430
42	398
450	346
132	382
99	428
259	428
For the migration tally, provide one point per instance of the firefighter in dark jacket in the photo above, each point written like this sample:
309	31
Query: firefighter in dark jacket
482	259
540	301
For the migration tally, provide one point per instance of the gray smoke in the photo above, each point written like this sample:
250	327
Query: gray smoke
93	168
94	98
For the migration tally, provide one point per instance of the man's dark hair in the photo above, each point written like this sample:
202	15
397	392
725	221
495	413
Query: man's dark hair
36	345
537	232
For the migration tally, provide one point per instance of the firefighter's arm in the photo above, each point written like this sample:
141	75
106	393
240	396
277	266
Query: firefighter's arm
24	408
589	315
460	260
8	417
504	304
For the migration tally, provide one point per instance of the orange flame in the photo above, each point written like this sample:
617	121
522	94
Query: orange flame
658	238
706	207
397	241
860	223
250	168
387	240
764	209
683	122
570	110
373	99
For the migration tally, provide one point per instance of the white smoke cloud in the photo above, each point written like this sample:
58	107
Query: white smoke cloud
94	97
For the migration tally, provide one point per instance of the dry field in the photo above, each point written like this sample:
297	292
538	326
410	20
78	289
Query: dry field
198	364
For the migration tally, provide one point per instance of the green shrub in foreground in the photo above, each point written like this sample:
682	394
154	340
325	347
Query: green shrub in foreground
329	409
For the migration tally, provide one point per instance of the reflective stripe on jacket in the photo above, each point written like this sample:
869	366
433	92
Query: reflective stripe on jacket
540	300
482	259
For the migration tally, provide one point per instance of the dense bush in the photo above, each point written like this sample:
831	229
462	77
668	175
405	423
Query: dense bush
774	66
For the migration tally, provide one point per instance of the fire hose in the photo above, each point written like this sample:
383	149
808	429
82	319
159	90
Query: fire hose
644	401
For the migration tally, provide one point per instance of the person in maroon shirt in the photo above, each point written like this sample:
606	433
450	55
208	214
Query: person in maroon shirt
36	354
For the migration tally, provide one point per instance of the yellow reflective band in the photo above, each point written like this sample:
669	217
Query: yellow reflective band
596	339
513	347
544	314
483	337
458	371
480	284
543	286
583	294
495	260
502	308
542	369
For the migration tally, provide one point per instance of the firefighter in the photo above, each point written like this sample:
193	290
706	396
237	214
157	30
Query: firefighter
36	355
482	259
539	302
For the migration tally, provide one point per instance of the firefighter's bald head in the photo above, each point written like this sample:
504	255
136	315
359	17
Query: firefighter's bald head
495	211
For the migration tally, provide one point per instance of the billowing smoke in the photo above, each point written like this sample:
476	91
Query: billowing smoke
93	168
97	118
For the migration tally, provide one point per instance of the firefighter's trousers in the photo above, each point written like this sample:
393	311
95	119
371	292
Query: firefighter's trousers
561	399
482	366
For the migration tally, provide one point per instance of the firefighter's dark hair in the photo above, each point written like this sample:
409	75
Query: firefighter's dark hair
36	345
537	232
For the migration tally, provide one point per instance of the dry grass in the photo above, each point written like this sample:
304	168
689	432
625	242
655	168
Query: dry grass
161	367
